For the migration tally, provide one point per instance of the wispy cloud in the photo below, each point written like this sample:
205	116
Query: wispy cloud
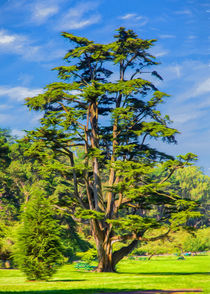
184	12
6	39
177	69
202	88
128	16
19	93
165	36
186	114
189	106
42	11
135	18
22	45
159	51
36	118
18	44
18	133
192	37
80	16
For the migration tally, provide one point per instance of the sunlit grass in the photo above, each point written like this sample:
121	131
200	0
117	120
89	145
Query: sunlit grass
158	273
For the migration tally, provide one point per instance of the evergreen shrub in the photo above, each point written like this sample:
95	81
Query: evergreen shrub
38	250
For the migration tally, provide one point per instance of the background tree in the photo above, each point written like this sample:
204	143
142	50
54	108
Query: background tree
104	106
179	242
192	183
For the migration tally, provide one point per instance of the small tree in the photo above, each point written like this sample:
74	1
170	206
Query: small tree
39	251
104	105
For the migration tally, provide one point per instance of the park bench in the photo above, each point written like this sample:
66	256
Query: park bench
142	258
84	266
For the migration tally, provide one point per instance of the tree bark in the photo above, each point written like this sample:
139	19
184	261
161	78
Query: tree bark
107	260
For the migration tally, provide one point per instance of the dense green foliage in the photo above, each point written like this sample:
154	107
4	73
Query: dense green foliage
39	251
179	242
19	178
191	183
104	109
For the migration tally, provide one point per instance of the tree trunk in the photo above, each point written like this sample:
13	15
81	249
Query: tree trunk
107	260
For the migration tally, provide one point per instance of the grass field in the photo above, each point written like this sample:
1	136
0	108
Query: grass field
162	273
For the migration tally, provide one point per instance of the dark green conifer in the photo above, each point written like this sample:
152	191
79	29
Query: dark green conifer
39	250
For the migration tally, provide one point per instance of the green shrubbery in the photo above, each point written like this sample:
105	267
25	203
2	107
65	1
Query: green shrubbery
178	243
88	255
198	243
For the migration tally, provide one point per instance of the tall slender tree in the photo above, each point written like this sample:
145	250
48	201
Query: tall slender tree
104	105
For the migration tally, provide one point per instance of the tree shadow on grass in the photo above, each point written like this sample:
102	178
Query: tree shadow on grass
53	281
166	273
70	291
107	291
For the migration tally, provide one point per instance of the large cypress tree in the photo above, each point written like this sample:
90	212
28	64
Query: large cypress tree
104	105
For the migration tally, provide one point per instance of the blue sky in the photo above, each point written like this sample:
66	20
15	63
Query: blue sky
30	45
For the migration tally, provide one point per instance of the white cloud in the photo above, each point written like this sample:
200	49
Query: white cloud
21	45
36	118
189	105
18	93
80	16
159	51
42	11
18	133
128	16
192	37
18	44
202	88
5	38
177	70
186	114
165	36
135	18
184	12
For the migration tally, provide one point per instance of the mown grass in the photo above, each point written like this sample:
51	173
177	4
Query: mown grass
162	273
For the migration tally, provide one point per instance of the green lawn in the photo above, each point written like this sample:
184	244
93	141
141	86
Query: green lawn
158	273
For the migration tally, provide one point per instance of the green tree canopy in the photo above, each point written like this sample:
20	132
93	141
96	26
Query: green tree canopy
104	107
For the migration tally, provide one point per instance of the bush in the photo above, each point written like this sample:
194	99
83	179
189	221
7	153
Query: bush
38	249
199	242
7	239
88	255
178	242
